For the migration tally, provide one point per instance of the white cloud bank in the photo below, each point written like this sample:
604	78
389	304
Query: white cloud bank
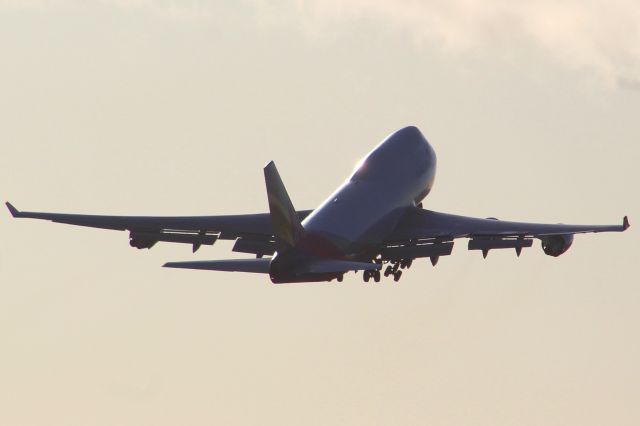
598	36
601	37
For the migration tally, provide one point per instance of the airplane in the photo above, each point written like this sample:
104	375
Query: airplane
374	221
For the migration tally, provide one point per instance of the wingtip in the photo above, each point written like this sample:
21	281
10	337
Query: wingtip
625	223
14	212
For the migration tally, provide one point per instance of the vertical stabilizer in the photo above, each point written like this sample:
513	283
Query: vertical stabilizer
284	219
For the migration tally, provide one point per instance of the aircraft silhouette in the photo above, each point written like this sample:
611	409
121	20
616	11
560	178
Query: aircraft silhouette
374	219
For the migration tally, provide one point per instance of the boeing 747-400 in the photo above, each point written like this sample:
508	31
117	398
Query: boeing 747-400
374	222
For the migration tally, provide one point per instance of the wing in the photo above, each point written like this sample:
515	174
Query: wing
253	232
421	224
432	233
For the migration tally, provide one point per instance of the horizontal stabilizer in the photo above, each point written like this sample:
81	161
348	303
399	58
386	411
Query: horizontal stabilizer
259	266
325	266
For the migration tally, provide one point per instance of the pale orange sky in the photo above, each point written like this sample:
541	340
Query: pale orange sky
148	107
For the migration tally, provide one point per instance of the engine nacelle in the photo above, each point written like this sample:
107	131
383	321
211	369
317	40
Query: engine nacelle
555	245
141	242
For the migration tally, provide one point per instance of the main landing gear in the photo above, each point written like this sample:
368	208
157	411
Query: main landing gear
371	274
394	268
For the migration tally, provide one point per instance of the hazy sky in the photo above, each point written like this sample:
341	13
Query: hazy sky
167	107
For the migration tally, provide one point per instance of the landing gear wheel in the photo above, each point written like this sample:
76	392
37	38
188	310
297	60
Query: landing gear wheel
388	271
376	276
340	278
397	275
366	276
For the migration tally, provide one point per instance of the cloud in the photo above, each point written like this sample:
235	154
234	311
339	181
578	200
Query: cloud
629	83
598	36
170	9
176	9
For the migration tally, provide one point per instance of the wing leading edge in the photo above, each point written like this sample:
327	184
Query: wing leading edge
147	230
423	224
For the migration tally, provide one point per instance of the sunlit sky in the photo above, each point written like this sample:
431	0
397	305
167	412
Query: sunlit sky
173	108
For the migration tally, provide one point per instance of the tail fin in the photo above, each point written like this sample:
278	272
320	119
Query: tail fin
284	218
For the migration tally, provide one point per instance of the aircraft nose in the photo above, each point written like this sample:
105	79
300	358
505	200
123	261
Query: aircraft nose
407	135
409	130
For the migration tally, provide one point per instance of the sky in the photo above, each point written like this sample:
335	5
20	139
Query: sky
173	107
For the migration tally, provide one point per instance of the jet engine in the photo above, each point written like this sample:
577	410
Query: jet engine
555	245
141	242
